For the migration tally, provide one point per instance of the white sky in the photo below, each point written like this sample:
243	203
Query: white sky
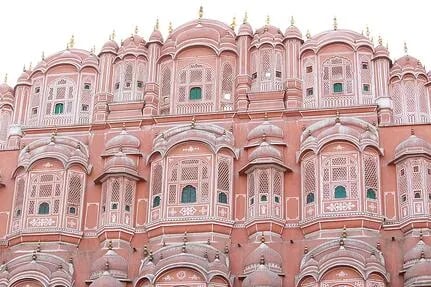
28	27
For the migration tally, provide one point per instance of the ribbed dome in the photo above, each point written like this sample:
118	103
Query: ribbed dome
245	30
262	277
271	256
381	51
123	140
156	36
5	89
120	163
413	145
117	266
134	44
266	129
265	151
106	280
293	32
423	268
24	77
408	61
109	47
420	249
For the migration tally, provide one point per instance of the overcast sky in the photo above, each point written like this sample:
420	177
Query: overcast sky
28	27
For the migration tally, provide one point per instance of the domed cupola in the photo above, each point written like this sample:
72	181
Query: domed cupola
115	264
412	146
24	78
129	144
156	36
134	45
267	34
292	32
110	46
381	51
5	89
417	265
245	28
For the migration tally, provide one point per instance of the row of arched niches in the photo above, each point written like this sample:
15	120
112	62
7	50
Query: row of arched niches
219	157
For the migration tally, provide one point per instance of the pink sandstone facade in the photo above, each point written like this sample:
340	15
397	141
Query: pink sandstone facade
218	157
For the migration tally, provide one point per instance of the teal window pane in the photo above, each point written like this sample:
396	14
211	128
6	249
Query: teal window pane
222	197
195	93
156	201
58	108
340	192
371	193
310	197
43	208
338	88
189	194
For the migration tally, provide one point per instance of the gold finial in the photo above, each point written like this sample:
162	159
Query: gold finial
341	242
367	31
29	67
305	249
72	41
292	21
262	260
233	24
5	78
106	265
170	28
113	35
226	248
344	233
387	45
245	19
23	68
38	249
262	238
405	48
335	23
34	256
110	245
185	237
67	46
193	123
267	20
201	12
308	35
380	40
337	117
421	235
43	55
150	256
145	252
217	256
372	40
156	27
136	30
412	131
93	49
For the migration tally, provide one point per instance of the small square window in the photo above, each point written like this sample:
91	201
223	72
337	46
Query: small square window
403	198
277	199
309	69
140	84
402	172
309	91
429	196
114	206
127	208
254	75
34	111
128	85
366	87
264	198
416	168
37	90
72	210
417	194
365	65
277	74
117	86
338	88
251	201
429	171
87	86
84	108
58	108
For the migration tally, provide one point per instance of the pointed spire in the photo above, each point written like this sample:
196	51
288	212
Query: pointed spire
344	233
43	55
136	30
245	19
110	245
405	48
335	23
93	49
113	35
201	12
156	27
23	68
262	238
308	35
367	31
233	24
29	67
268	20
292	21
380	40
72	41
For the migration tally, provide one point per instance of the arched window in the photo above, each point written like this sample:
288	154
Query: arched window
43	208
338	88
310	197
189	194
340	192
222	197
263	198
371	193
156	201
195	93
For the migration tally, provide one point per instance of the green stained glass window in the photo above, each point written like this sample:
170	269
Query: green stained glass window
58	108
189	194
340	192
338	88
195	93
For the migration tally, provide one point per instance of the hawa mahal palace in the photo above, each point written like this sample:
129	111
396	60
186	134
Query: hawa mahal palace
220	156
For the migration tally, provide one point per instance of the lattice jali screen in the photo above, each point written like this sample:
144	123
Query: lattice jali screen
5	118
309	91
227	88
223	175
309	177
60	91
366	78
337	70
46	187
75	190
192	171
19	196
156	178
165	89
118	208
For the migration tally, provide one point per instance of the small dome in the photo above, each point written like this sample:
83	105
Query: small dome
271	256
109	47
421	249
5	89
264	151
245	30
106	280
24	77
266	129
269	29
293	32
408	61
381	51
117	266
156	36
262	277
120	163
134	44
412	145
372	259
418	270
123	140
